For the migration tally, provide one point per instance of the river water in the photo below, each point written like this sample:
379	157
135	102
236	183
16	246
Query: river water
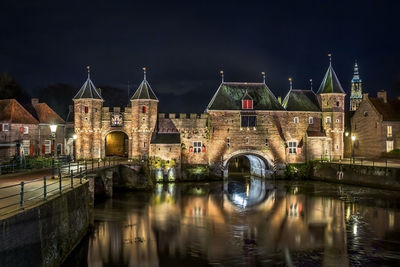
245	222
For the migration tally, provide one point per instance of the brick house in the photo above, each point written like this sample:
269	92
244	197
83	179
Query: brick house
376	125
18	130
47	116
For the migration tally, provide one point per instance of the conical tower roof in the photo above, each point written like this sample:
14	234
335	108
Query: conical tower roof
144	90
330	84
88	90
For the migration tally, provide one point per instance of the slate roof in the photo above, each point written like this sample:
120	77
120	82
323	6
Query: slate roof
13	112
389	110
301	100
88	90
44	114
144	91
165	125
330	84
230	94
166	138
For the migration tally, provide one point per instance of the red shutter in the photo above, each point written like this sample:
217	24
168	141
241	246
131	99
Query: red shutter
144	109
43	149
191	149
299	150
1	127
21	129
86	109
250	104
32	150
244	104
203	149
287	150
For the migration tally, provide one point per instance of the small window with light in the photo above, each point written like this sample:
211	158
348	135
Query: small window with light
293	147
310	120
328	120
296	120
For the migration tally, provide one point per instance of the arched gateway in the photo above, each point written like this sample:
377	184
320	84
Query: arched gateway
260	164
117	144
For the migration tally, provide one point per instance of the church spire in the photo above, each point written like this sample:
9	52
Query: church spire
356	89
88	89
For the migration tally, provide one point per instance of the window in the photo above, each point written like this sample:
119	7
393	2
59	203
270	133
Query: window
389	131
310	120
365	113
197	147
26	129
266	142
47	146
248	120
247	104
293	147
228	142
26	146
328	120
337	147
337	120
59	149
389	146
296	120
86	109
144	109
6	127
337	103
246	140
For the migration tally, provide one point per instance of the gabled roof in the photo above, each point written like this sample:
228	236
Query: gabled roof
44	114
389	110
230	94
301	100
13	112
330	83
144	91
88	90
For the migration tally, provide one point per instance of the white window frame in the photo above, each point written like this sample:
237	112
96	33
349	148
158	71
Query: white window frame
197	147
26	130
328	120
311	120
4	127
26	145
47	146
292	145
389	131
296	120
389	146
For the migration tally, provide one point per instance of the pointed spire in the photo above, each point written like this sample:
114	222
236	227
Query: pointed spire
88	68
330	84
330	59
290	83
356	75
144	73
222	75
311	87
88	89
263	75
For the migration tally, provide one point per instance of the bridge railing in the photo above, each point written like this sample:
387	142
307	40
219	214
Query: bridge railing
18	196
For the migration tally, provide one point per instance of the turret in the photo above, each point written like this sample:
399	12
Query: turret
356	89
88	104
332	96
144	105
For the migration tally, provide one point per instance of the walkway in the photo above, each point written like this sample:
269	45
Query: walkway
390	163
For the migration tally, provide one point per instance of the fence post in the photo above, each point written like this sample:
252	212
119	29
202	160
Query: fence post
80	179
85	167
59	173
21	194
72	182
109	162
373	163
44	188
77	168
98	164
92	164
80	171
60	185
69	166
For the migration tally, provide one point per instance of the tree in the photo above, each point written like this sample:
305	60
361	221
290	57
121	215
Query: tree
9	88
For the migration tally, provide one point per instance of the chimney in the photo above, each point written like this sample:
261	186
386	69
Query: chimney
365	96
382	95
71	108
34	101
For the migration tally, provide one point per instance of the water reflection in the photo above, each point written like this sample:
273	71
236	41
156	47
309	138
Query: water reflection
246	222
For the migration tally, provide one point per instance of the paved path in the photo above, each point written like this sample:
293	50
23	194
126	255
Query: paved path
10	186
391	163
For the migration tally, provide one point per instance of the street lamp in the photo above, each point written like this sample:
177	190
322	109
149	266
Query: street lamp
353	139
53	129
74	137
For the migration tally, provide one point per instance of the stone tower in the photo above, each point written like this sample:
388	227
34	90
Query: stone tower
144	105
356	90
332	97
88	105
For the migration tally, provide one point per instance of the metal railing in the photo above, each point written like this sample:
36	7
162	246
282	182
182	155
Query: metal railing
17	197
29	163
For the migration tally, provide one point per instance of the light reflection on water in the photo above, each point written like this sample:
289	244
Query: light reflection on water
245	222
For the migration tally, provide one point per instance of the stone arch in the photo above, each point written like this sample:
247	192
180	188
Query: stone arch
121	149
260	164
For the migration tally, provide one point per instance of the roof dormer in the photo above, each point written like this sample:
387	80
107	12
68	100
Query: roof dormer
247	101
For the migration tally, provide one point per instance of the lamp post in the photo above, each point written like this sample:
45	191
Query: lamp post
74	137
53	129
353	139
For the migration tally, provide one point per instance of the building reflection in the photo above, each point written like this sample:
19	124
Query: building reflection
240	222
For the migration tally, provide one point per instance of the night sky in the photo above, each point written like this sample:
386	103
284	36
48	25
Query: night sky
185	44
